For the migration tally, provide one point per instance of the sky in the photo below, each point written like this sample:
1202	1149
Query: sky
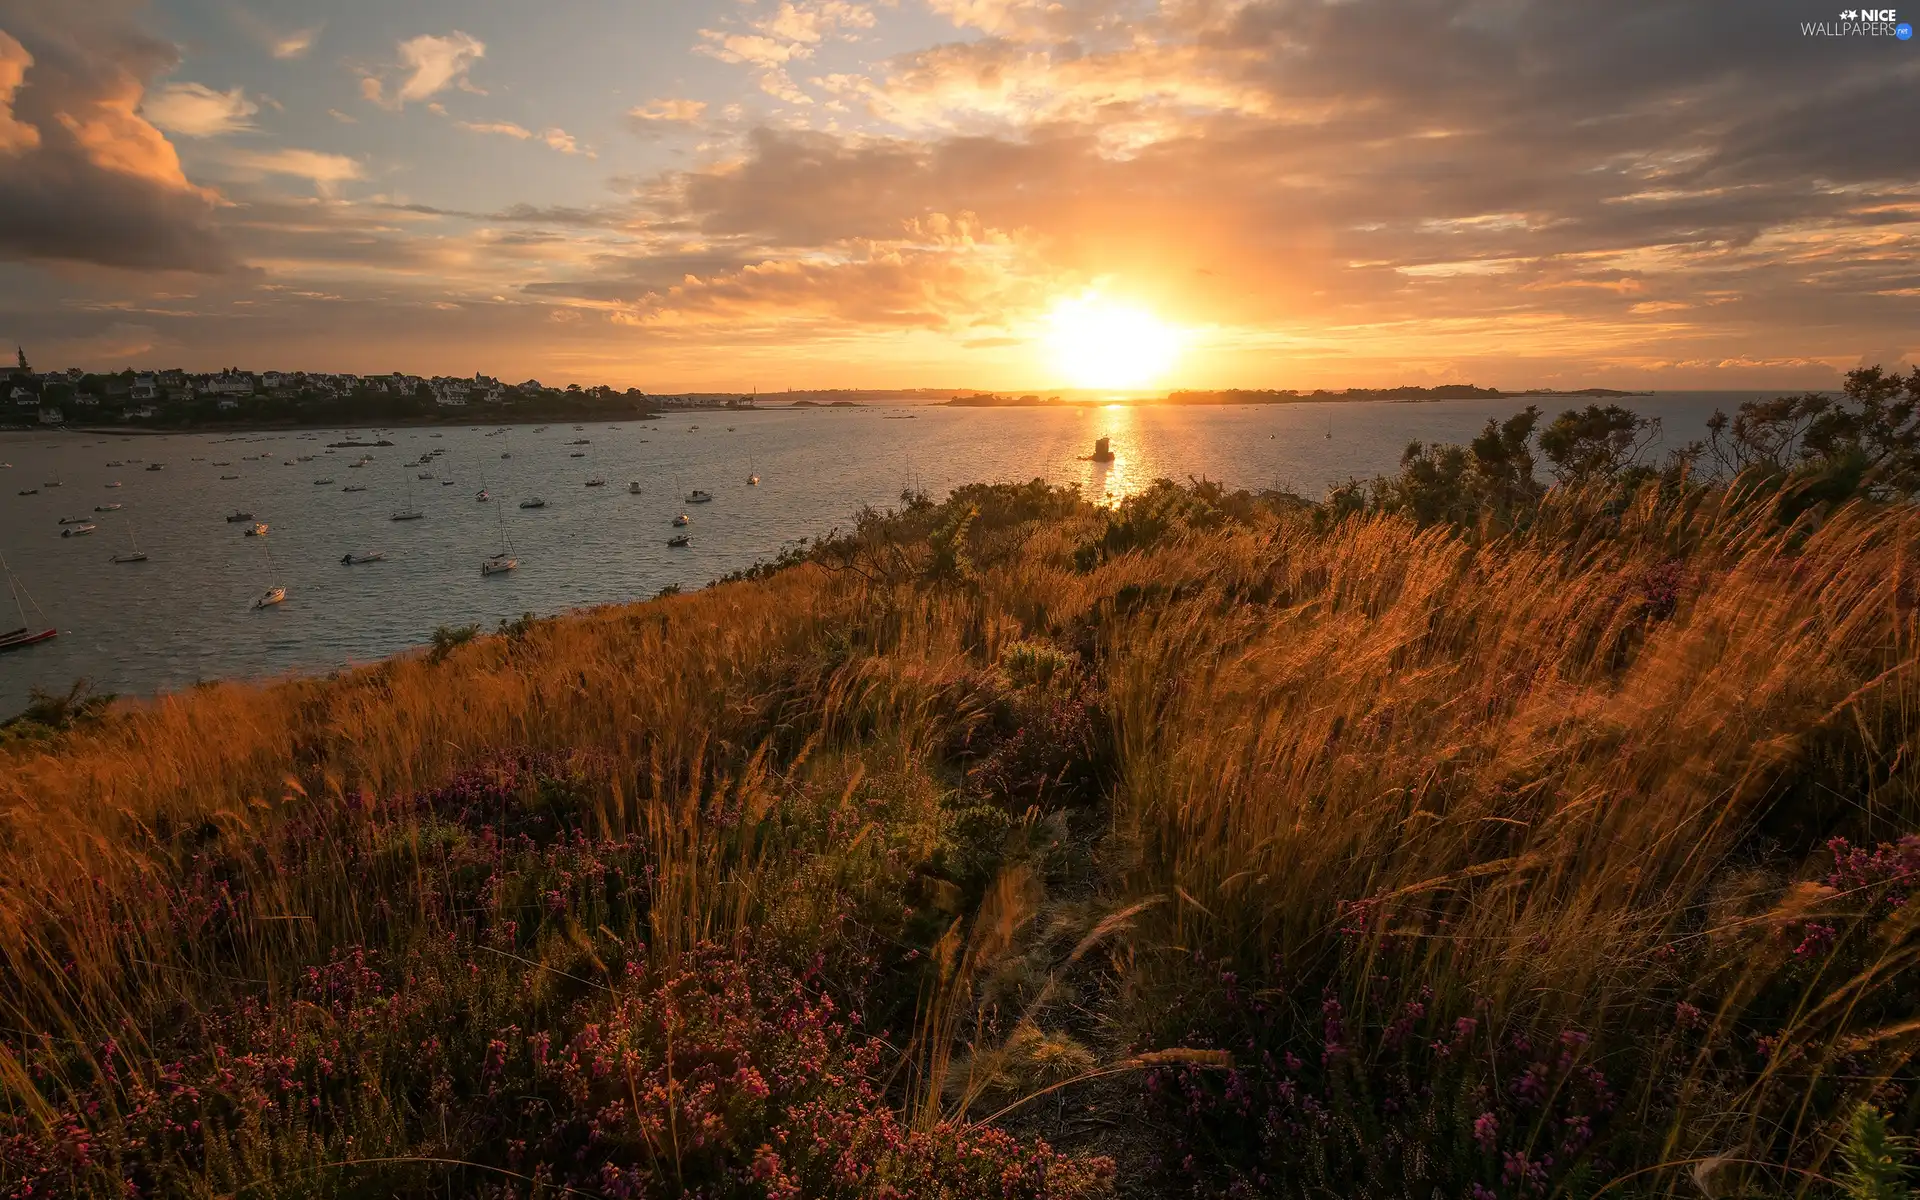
734	194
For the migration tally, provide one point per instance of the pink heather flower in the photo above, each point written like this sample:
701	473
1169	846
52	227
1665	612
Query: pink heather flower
1817	941
1486	1130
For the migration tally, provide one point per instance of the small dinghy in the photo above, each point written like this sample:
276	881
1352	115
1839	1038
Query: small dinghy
369	556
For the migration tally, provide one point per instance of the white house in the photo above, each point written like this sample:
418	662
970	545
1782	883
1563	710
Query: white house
52	416
228	404
229	383
145	387
23	397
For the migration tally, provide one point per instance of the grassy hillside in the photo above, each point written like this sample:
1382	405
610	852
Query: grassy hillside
1014	847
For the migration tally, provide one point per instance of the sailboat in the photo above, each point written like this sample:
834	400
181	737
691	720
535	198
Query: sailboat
409	513
753	479
1329	426
26	634
134	555
275	593
504	561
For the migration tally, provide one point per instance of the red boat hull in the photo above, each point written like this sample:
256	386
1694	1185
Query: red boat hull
15	641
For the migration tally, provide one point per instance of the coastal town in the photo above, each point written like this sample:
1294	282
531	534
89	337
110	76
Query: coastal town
175	398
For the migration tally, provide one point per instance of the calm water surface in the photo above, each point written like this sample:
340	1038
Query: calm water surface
184	615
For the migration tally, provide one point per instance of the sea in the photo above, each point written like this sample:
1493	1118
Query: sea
186	614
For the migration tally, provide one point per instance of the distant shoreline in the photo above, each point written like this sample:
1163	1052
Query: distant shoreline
1227	396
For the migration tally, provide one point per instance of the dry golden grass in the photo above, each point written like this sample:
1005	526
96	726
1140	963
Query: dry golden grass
1581	774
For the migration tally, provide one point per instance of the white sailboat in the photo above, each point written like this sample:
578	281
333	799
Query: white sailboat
504	561
275	593
409	513
136	554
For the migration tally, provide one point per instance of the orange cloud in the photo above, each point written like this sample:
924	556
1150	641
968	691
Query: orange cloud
15	135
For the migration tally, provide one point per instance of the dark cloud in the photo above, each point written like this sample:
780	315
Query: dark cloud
93	181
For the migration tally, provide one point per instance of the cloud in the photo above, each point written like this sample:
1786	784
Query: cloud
15	135
790	33
553	137
295	44
325	171
437	63
196	110
94	180
503	128
683	112
431	65
559	139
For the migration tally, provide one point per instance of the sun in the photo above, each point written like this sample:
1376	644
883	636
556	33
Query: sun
1097	343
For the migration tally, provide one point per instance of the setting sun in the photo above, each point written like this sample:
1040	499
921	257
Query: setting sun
1097	343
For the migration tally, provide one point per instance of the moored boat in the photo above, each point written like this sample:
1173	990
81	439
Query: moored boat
77	530
680	541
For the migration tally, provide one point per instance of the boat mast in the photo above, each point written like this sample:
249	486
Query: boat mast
13	585
15	589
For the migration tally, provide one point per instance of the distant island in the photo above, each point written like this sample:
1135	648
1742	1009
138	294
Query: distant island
1403	395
